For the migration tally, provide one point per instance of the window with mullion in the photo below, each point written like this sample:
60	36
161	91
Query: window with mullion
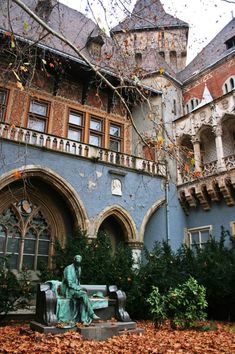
75	126
3	101
198	237
115	134
38	115
96	132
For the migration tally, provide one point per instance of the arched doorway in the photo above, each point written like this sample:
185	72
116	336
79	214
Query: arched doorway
114	229
118	224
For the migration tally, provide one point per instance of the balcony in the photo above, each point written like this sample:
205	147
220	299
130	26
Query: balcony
214	184
66	146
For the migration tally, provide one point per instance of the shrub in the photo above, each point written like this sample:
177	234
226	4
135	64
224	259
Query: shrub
183	305
15	292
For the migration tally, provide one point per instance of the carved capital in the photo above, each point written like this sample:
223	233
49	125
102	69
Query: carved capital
217	130
195	139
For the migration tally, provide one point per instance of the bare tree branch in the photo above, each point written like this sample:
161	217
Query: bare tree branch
87	61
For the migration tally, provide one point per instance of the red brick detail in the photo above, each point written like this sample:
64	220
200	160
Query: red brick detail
57	119
18	108
214	80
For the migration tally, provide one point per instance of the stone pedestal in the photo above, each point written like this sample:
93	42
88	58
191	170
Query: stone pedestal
95	331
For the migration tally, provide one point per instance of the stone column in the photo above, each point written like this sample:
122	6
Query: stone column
197	153
217	129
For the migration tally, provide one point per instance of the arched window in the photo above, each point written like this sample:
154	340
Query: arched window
192	104
25	236
229	84
232	82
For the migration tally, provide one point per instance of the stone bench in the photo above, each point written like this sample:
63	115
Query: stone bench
107	301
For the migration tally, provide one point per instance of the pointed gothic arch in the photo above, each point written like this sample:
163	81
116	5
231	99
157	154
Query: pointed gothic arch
147	217
36	205
122	217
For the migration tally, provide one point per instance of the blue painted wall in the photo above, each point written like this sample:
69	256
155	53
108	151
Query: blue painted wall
219	215
156	227
91	180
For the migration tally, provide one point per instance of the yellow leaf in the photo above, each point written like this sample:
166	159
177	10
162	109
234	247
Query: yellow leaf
161	71
26	25
13	43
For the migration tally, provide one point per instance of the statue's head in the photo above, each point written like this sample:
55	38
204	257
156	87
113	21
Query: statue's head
78	259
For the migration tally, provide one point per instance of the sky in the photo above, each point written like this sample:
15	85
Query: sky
205	17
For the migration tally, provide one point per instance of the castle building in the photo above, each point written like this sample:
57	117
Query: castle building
112	133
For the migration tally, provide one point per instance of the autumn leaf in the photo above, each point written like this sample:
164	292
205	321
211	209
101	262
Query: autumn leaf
161	71
26	26
186	168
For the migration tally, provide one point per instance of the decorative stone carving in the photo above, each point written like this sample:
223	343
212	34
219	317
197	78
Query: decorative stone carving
116	187
217	130
225	104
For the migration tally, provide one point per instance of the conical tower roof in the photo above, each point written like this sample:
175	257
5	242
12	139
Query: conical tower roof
149	14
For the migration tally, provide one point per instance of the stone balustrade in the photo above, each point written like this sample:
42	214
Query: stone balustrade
50	142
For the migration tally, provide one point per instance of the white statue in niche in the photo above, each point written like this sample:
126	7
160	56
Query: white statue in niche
116	187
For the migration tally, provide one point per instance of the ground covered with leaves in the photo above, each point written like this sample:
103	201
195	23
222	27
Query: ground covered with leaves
18	338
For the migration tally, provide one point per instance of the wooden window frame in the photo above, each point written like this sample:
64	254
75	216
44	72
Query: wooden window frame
95	132
118	139
3	106
38	116
76	127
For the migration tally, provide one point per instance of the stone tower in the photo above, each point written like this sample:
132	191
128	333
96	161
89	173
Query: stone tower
150	28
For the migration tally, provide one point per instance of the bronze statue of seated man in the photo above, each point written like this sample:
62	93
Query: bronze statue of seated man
71	288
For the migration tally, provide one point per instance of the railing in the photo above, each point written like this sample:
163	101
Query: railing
208	169
50	142
229	162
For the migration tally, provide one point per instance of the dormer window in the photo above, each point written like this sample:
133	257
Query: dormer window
94	49
230	43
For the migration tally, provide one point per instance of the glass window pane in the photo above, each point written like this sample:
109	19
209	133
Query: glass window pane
75	118
2	243
31	233
95	140
96	125
38	108
44	235
2	97
74	134
36	124
43	247
114	130
29	246
204	236
114	145
13	261
12	245
41	260
195	237
28	261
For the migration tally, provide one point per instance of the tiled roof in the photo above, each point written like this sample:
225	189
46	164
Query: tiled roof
71	23
213	52
148	14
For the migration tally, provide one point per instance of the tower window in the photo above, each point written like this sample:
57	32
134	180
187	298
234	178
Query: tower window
138	58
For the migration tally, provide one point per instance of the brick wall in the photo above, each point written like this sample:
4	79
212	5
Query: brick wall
214	79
